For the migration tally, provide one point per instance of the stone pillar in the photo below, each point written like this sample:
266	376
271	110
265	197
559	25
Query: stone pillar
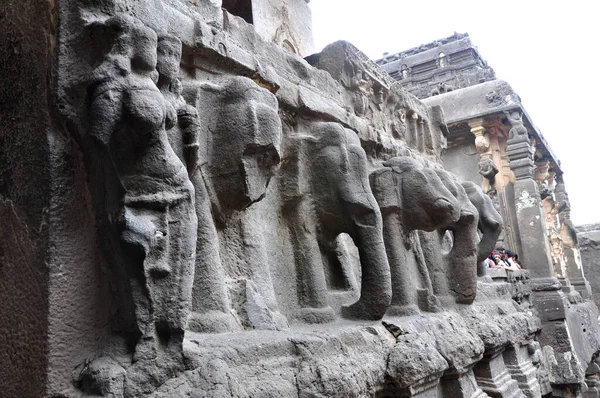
568	235
592	380
412	130
487	168
551	179
588	237
541	171
535	253
547	298
482	141
461	386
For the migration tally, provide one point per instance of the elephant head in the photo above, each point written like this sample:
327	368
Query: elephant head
461	261
246	135
418	192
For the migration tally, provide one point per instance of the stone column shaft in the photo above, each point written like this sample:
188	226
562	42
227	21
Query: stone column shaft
534	237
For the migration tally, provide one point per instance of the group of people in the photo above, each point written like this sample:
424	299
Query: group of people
505	259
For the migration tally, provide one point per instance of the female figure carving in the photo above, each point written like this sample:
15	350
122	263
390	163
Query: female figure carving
144	201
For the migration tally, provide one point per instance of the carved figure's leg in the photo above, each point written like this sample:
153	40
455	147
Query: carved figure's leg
376	288
426	298
490	223
431	248
211	311
143	258
462	275
312	287
261	305
404	301
173	292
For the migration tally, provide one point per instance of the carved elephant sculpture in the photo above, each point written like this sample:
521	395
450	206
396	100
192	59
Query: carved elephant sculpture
490	222
411	197
242	148
451	252
335	198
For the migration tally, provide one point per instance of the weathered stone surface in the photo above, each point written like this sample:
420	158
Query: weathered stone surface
490	222
191	208
588	237
492	136
402	181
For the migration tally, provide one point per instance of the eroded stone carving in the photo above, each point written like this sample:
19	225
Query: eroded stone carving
184	135
144	204
273	242
518	130
343	203
490	222
451	251
462	268
243	149
245	143
411	197
488	170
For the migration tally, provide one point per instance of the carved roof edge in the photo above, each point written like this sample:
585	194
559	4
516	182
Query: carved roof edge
485	100
420	49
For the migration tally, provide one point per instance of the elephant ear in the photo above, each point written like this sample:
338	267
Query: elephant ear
473	190
385	188
329	134
401	164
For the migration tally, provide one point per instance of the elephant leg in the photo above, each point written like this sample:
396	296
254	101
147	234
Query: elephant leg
261	304
463	263
312	287
376	288
211	311
431	248
425	296
404	301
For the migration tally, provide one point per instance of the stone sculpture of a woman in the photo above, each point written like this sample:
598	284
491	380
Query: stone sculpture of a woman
144	204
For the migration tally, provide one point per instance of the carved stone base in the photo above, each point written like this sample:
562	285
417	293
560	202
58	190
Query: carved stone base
465	386
427	388
403	310
566	391
493	378
213	322
593	385
315	315
582	286
521	369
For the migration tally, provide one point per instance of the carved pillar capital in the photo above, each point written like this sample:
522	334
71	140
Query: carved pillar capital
482	140
551	179
520	156
541	171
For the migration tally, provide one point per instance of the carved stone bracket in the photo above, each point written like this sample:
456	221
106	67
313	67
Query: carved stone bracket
482	140
487	168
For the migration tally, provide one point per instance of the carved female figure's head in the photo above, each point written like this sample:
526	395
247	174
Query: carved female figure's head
169	56
131	47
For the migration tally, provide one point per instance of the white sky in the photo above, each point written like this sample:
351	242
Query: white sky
548	51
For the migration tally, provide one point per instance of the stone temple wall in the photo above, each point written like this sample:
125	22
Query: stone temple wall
189	210
588	237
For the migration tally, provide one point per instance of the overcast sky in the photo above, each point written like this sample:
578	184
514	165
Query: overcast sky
548	51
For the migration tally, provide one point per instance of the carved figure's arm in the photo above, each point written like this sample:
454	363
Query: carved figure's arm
189	122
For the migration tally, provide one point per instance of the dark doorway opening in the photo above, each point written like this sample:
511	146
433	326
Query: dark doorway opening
240	8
